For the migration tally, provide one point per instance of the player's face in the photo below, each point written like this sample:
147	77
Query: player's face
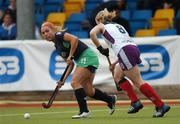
47	33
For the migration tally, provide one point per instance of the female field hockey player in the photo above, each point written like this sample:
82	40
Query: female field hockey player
128	58
68	47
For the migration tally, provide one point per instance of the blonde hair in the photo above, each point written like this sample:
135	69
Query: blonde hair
105	15
53	27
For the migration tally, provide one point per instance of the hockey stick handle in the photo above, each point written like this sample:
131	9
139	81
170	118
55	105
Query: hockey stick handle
109	61
64	73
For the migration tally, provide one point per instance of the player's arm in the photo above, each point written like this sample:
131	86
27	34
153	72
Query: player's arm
74	42
70	68
98	29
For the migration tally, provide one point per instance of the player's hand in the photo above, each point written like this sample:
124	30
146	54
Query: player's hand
69	60
104	51
112	67
60	83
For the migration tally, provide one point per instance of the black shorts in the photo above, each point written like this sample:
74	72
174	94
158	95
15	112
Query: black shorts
91	68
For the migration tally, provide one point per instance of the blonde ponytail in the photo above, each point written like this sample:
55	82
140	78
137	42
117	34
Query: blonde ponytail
105	15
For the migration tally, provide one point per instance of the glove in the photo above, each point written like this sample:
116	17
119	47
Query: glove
104	51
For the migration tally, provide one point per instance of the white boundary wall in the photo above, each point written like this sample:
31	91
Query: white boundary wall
35	66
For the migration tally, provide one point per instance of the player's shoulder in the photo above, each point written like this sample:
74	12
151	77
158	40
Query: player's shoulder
58	33
110	24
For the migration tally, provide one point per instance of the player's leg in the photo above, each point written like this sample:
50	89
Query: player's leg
148	91
126	86
80	94
129	57
96	93
81	73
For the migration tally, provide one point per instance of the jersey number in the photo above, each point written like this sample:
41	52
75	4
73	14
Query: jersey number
121	29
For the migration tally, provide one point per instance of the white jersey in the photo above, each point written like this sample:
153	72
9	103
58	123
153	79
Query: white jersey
116	36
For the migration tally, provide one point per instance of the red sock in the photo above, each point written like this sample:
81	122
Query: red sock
126	86
149	92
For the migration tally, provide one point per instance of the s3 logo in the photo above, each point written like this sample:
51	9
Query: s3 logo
11	65
57	66
155	61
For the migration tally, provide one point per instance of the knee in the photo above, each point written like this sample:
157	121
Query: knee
118	78
138	85
75	85
89	93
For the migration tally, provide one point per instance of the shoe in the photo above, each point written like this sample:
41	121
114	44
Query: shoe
112	105
82	115
160	111
135	107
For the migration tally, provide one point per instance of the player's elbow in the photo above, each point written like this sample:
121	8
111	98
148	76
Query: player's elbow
92	34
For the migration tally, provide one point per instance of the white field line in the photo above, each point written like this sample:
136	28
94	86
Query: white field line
68	112
62	112
91	101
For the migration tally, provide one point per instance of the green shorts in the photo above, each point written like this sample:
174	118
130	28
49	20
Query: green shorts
88	58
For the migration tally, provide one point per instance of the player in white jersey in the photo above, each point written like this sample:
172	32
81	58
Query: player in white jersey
128	56
116	36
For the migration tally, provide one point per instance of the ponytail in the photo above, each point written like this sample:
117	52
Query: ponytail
105	15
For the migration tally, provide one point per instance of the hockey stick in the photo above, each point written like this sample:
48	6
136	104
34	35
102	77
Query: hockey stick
117	87
53	96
